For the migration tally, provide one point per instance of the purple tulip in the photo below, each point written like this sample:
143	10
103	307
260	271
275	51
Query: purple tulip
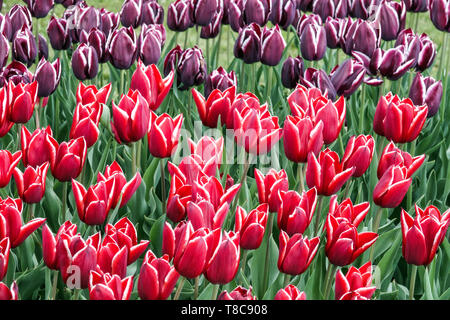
39	8
58	34
225	6
150	43
313	78
5	26
47	76
235	15
179	15
152	13
426	90
109	21
122	48
273	45
304	5
291	71
248	46
440	14
15	72
85	62
361	36
282	13
392	17
24	46
43	47
88	18
427	53
191	69
411	43
20	15
330	8
313	42
4	50
416	5
171	60
219	79
256	11
203	11
96	39
212	30
335	28
363	9
347	77
306	20
130	14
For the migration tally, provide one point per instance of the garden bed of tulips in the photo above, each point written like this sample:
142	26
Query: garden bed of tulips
224	149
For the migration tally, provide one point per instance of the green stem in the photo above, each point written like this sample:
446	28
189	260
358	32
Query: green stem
180	287
268	82
64	201
163	185
375	226
412	282
443	50
243	264
133	158
266	261
347	188
36	114
185	39
287	279
196	288
409	193
301	173
331	270
362	116
54	284
30	213
215	292
207	55
318	212
248	160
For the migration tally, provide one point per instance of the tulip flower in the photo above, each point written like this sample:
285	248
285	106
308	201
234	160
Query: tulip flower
208	149
157	278
213	28
291	71
19	16
171	60
130	117
251	226
9	293
35	150
296	211
347	77
240	293
344	243
244	101
5	26
218	104
363	9
345	210
89	94
130	14
163	134
42	48
248	45
85	62
290	292
87	18
122	48
11	225
191	68
104	286
282	13
423	234
392	155
202	214
111	258
426	54
5	249
85	122
358	154
270	187
31	183
416	5
439	14
66	159
109	21
318	79
24	47
392	187
399	120
313	42
356	284
22	99
15	72
202	11
96	39
426	90
180	194
392	18
8	163
47	76
5	123
219	79
168	242
412	44
152	13
4	50
150	43
361	36
52	245
296	253
58	34
256	11
272	46
179	15
39	8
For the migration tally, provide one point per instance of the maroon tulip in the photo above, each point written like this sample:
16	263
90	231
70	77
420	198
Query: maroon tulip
426	90
347	77
313	42
85	62
392	18
416	5
439	14
151	41
345	210
58	34
191	68
85	122
8	163
361	36
358	154
152	13
394	156
163	134
104	286
122	48
296	253
19	16
87	18
272	46
90	94
290	292
35	151
5	249
202	11
179	15
219	79
39	8
356	284
96	39
5	26
157	278
47	76
251	226
423	235
426	54
282	13
22	100
24	47
109	21
248	46
318	79
240	293
31	183
130	14
291	71
15	72
256	11
4	50
9	293
213	28
392	187
363	9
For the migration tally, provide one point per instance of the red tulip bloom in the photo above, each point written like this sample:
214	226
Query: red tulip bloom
163	134
112	259
193	168
240	293
5	249
157	278
326	173
291	292
22	99
90	94
208	149
31	183
399	120
392	187
356	284
35	150
104	286
180	194
5	123
11	225
394	156
270	187
66	159
9	293
358	154
345	210
52	245
218	104
251	226
243	101
344	243
203	215
8	162
85	122
296	253
168	242
423	235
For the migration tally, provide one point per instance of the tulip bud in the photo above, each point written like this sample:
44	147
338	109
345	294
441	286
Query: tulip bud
239	293
5	292
439	14
213	28
122	48
248	46
34	148
151	41
5	249
19	16
9	163
24	46
5	26
104	286
363	37
39	8
318	79
257	11
356	284
392	187
392	18
191	69
130	14
5	123
22	99
87	18
282	13
89	94
291	71
291	292
219	79
58	34
358	154
152	13
179	15
109	21
47	76
427	53
426	90
202	11
251	226
31	183
85	62
363	9
347	77
97	40
296	253
272	44
392	155
4	50
163	134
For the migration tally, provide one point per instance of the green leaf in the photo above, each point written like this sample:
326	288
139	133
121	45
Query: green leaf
387	264
156	235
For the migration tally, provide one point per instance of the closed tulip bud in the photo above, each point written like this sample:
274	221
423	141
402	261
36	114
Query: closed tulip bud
39	8
97	40
347	77
58	34
219	79
152	13
163	134
363	9
282	13
5	26
85	62
130	118
89	94
171	60
151	41
31	183
439	14
22	99
270	188
394	156
251	226
239	293
248	45
179	15
423	234
291	71
345	210
330	8
356	284
235	15
47	76
191	68
202	214
361	36
85	122
5	123
318	79
104	286
66	159
180	194
392	187
9	163
358	154
389	119
24	46
19	16
392	17
296	211
213	28
296	253
88	18
109	21
326	172
290	292
427	53
11	293
313	42
130	14
157	278
122	48
256	11
202	11
35	151
5	249
272	46
426	90
4	50
11	225
168	242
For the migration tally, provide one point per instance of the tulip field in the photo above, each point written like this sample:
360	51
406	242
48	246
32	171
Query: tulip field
224	150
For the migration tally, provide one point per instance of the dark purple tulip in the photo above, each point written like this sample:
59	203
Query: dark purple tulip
439	14
291	71
363	9
256	11
282	13
15	72
416	5
273	45
333	31
219	79
235	15
203	11
85	62
96	39
307	19
191	69
88	18
122	48
212	30
427	53
39	8
248	45
361	36
347	77
392	17
152	13
226	5
109	21
313	42
47	76
179	15
150	43
130	14
330	8
426	90
24	46
4	50
304	5
5	26
411	43
20	15
58	34
313	78
171	60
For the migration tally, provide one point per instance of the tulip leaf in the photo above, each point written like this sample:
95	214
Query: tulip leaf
156	235
207	292
431	187
428	294
389	260
30	281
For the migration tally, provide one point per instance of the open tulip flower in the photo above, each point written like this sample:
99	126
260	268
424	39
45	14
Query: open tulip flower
85	122
347	211
270	187
35	150
358	154
104	286
290	292
52	245
163	134
22	99
356	284
89	94
31	183
392	187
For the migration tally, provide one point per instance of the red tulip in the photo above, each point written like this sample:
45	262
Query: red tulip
85	122
296	211
270	187
193	168
242	101
203	215
239	293
35	150
394	156
392	187
66	159
157	278
344	243
345	210
8	162
22	99
423	235
104	286
5	123
5	248
291	292
251	226
89	94
356	284
168	242
180	194
31	183
296	253
326	173
11	225
51	245
9	293
208	149
358	154
218	104
163	134
111	258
